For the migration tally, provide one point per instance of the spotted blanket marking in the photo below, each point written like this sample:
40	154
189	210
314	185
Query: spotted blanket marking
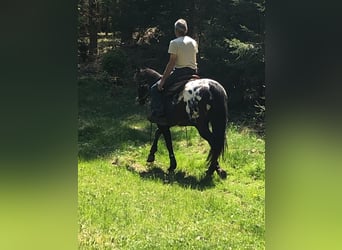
191	95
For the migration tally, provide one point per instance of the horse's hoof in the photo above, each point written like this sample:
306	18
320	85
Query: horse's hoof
222	173
209	174
150	158
171	170
173	165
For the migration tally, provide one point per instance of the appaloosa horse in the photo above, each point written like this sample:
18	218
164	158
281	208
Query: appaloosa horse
201	103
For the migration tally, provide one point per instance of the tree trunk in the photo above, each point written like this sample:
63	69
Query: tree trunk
107	21
92	29
196	20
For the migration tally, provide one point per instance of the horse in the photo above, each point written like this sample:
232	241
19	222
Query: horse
202	103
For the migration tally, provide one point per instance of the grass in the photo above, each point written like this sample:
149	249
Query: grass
126	204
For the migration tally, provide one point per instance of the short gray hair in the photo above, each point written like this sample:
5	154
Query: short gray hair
181	26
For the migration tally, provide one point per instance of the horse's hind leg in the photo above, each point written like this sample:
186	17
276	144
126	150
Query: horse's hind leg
154	146
167	136
203	129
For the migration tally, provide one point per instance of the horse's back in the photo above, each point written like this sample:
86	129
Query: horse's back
196	89
198	96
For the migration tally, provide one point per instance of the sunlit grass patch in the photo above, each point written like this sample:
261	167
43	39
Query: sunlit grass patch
125	203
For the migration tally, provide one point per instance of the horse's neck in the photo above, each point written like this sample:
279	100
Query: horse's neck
155	76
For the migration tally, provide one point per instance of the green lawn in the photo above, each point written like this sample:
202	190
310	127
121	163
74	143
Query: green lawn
125	203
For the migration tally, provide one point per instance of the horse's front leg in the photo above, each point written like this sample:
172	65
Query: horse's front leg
167	137
154	147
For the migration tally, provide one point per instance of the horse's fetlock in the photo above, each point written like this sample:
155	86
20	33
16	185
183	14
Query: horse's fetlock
150	158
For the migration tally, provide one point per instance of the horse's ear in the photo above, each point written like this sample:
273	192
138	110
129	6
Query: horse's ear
139	69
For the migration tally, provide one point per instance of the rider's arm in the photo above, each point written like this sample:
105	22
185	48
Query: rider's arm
169	67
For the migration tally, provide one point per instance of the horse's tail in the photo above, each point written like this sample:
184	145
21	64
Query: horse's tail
219	120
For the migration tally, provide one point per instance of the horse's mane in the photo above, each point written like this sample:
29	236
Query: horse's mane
151	72
149	75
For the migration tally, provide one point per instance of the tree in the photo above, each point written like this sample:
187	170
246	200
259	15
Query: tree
93	27
230	34
94	16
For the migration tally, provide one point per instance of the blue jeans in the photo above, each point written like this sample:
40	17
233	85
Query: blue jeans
157	100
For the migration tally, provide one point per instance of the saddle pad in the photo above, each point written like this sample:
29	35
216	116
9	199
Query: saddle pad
177	87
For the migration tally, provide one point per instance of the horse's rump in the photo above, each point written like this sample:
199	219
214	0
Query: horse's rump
193	99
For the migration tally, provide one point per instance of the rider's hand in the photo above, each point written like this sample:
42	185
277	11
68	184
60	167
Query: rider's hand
160	86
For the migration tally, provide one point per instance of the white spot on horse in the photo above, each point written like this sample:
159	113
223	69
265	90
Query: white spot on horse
191	95
208	106
187	108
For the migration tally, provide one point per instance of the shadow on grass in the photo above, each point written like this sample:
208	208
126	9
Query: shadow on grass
179	178
108	123
102	141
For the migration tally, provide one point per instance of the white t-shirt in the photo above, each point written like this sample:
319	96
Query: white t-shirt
186	49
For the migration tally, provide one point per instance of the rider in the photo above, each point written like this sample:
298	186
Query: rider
182	62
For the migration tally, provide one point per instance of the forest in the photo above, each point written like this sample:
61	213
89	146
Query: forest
115	37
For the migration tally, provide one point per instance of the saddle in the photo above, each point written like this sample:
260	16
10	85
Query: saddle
178	86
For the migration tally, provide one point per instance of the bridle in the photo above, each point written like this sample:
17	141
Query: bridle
143	85
144	97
